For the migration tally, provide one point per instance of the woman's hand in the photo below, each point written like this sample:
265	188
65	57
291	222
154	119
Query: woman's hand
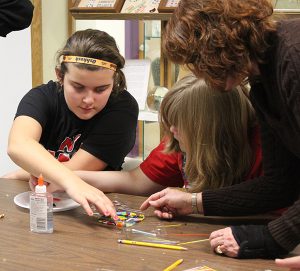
293	263
169	203
223	242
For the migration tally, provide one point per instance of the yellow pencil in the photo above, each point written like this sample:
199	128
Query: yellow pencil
173	265
137	243
170	225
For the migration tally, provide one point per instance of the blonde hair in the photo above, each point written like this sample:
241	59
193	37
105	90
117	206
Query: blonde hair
214	126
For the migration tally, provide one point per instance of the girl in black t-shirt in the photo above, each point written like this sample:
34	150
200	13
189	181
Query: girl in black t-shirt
86	120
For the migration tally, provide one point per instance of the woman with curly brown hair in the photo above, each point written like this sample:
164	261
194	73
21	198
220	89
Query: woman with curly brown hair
229	42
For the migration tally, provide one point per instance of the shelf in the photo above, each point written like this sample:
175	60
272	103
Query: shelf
148	116
291	11
80	15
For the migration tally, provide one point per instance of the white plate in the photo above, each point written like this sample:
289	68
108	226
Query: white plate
61	200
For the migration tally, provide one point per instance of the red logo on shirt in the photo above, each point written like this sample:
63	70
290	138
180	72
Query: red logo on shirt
66	149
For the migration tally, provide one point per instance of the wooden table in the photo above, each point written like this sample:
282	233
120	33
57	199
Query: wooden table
79	242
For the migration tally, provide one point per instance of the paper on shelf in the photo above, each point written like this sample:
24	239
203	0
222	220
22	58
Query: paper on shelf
137	73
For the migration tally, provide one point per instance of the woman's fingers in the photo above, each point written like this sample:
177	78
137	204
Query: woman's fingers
223	242
147	203
293	262
163	215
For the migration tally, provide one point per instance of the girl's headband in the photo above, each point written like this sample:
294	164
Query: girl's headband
90	61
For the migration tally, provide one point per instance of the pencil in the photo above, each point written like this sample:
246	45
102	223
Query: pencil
173	265
137	243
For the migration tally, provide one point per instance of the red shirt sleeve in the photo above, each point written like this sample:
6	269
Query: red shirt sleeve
163	168
255	142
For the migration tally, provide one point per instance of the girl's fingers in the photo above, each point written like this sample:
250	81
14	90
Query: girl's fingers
87	208
105	206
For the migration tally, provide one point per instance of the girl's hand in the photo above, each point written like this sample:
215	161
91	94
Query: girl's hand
169	202
86	194
223	242
51	188
32	182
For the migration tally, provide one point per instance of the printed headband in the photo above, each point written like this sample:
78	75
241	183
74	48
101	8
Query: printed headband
90	61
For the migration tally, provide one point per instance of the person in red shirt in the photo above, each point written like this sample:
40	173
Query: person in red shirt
211	140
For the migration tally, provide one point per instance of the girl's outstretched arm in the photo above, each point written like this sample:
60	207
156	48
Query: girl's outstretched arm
133	182
19	174
26	151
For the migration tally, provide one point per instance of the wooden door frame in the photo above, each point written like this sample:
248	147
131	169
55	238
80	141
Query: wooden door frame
37	40
36	44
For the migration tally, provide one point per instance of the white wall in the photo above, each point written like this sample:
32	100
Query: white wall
16	80
115	28
15	66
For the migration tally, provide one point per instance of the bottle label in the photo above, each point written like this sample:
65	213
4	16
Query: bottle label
39	214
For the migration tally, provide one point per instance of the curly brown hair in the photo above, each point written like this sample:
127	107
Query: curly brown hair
218	39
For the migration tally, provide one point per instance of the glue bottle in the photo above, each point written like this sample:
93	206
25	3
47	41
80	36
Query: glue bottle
41	209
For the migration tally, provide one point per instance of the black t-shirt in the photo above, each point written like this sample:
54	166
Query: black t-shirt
14	15
109	135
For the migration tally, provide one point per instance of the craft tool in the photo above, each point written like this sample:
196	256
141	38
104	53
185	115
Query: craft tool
162	241
196	241
206	268
124	213
189	234
202	268
125	219
145	244
143	232
173	265
172	225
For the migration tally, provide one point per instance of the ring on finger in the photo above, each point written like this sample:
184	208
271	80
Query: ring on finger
218	250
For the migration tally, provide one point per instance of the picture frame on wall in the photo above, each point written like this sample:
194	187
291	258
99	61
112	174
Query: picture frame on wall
167	6
105	6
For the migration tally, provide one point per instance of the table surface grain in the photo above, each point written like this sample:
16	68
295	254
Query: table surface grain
80	243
